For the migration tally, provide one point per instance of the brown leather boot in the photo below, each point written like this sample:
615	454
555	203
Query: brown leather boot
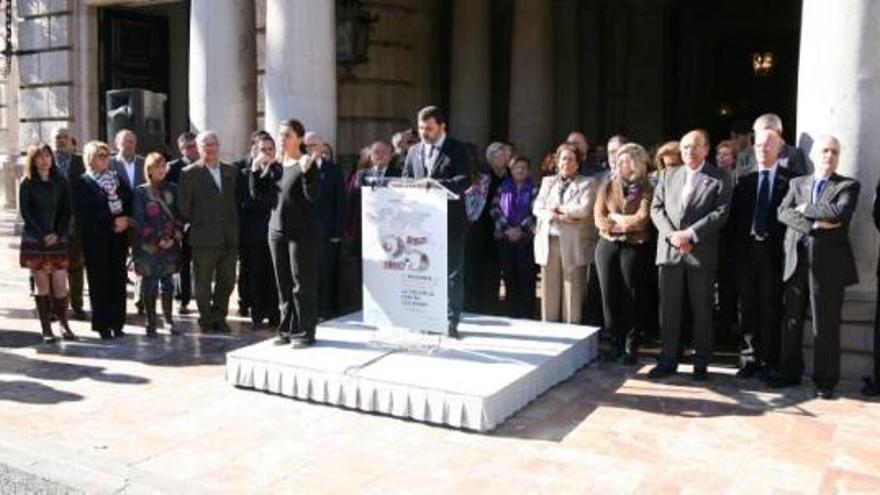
44	310
60	307
167	312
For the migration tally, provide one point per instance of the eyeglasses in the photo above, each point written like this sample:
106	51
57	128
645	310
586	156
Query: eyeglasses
102	155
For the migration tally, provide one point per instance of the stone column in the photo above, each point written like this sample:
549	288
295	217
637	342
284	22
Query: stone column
222	72
839	94
300	79
531	78
569	43
469	79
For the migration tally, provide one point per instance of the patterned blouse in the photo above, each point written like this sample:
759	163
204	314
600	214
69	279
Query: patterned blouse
156	217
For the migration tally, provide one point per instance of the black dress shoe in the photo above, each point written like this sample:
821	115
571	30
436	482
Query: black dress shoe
183	309
222	326
661	371
117	332
612	355
281	340
243	312
452	331
824	393
629	359
750	370
105	334
779	381
79	314
871	388
701	375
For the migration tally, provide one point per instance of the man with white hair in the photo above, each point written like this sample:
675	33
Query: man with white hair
790	157
207	201
819	265
482	263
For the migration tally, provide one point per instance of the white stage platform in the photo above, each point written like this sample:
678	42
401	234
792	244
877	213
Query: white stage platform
476	383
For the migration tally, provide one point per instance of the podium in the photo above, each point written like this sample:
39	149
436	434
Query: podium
404	249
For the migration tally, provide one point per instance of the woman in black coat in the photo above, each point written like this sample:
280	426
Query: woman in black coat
291	188
44	204
100	199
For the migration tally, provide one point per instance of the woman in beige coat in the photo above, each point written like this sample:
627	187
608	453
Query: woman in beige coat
564	238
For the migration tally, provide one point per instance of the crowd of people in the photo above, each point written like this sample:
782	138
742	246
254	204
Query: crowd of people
675	242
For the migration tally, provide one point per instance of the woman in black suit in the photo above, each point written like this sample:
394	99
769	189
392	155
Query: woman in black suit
101	200
291	188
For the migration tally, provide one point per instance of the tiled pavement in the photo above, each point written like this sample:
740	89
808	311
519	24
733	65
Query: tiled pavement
138	415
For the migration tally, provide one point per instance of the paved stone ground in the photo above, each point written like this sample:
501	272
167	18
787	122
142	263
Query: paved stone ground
139	416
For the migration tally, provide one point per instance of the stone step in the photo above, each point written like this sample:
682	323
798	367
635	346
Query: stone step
856	345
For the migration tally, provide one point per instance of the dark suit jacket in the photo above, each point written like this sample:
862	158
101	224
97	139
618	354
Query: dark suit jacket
829	251
90	202
742	212
175	167
451	169
75	169
331	199
139	179
706	213
877	217
212	214
253	214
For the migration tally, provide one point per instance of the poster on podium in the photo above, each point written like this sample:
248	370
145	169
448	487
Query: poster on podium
404	257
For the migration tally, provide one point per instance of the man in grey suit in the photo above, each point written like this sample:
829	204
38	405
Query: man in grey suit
689	208
207	201
819	265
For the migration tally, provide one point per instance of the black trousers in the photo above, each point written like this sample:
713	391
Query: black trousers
105	269
328	275
262	290
592	312
244	268
680	284
483	268
759	284
726	289
75	271
185	289
877	336
518	272
622	269
826	303
455	268
296	271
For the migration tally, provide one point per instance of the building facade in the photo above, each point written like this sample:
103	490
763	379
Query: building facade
528	71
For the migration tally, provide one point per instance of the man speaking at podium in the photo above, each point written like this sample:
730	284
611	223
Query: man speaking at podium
446	160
